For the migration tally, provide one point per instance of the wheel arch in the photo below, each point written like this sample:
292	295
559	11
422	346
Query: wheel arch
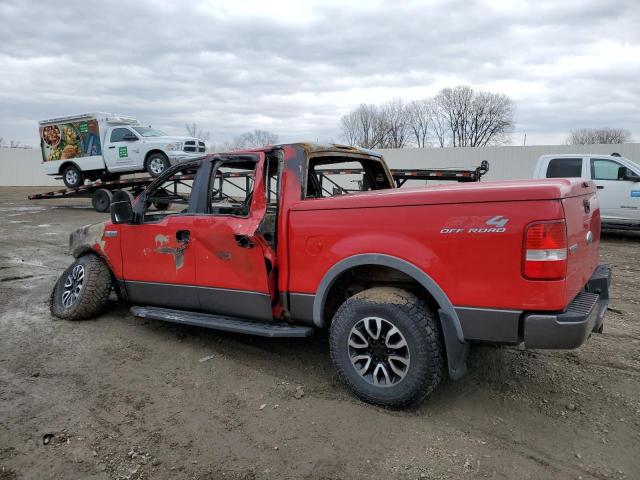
151	152
68	163
455	346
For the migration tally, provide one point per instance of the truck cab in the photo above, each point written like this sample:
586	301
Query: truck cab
617	180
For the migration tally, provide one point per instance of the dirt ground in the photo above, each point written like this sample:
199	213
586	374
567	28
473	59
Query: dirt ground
128	398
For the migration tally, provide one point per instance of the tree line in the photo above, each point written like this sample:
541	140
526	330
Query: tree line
457	117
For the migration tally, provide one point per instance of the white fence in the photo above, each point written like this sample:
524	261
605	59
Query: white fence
19	167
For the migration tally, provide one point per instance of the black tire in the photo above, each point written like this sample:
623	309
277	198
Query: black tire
101	200
417	326
159	202
156	164
161	205
123	195
72	176
91	297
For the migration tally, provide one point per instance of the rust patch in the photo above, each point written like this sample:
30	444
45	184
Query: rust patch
178	255
87	238
162	248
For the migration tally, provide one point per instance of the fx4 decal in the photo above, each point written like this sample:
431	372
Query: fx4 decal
495	224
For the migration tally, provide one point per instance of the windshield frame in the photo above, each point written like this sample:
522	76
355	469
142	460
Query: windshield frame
146	130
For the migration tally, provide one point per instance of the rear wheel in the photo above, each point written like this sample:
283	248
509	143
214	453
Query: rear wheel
101	200
385	345
72	176
82	291
156	164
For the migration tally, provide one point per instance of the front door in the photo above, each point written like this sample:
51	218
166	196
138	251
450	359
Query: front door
235	264
619	198
159	261
121	154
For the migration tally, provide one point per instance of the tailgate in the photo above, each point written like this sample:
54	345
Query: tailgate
582	215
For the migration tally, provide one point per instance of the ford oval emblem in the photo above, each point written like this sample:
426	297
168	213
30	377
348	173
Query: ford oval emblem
589	237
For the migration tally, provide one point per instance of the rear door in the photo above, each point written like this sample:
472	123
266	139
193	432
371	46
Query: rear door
619	198
158	257
235	271
565	167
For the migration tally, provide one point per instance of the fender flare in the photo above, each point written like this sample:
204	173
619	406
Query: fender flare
151	152
456	347
68	162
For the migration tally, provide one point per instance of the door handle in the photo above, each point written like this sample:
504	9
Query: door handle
243	241
600	187
112	146
183	236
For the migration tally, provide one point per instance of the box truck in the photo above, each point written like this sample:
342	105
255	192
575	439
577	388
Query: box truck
103	146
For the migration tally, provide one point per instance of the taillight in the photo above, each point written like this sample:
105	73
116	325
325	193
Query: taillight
545	251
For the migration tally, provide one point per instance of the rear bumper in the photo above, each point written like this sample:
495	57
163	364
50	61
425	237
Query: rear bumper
570	329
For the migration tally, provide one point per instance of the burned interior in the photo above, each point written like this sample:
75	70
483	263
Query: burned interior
334	175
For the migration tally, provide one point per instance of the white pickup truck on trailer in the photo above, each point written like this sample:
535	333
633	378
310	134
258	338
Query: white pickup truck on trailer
103	145
617	179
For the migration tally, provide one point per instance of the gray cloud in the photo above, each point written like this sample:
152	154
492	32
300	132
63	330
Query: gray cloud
295	69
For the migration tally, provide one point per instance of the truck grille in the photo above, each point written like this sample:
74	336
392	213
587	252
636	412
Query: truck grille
193	146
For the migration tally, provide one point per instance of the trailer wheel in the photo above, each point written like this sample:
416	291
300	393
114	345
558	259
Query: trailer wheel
83	289
101	200
385	345
72	176
121	195
162	205
157	163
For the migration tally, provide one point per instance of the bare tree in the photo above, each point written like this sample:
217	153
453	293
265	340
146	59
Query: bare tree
604	135
460	117
194	131
475	119
363	127
439	125
394	121
420	123
255	139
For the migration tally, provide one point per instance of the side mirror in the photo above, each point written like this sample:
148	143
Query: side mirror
121	212
129	137
629	175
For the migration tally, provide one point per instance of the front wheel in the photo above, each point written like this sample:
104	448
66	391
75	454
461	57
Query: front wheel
386	346
82	291
156	164
72	176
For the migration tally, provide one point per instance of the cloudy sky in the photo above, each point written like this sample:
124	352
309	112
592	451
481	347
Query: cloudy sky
294	67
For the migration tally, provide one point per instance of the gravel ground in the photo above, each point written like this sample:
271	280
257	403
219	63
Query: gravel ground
128	398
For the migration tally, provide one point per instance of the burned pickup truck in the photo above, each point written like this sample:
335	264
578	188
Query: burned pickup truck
264	242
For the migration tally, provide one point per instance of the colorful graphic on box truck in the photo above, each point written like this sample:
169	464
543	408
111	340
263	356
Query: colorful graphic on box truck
61	141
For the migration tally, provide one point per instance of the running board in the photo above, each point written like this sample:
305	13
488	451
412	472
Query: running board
221	322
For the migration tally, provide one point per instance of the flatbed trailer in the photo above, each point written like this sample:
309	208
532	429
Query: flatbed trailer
101	192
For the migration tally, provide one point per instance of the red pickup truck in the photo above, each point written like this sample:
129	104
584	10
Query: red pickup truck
276	242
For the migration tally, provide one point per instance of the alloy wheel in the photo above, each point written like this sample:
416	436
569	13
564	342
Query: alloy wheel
73	286
378	351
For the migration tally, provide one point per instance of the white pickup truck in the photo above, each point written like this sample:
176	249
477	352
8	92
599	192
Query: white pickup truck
617	179
102	146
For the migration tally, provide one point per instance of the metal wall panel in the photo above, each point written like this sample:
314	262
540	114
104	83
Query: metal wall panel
20	167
